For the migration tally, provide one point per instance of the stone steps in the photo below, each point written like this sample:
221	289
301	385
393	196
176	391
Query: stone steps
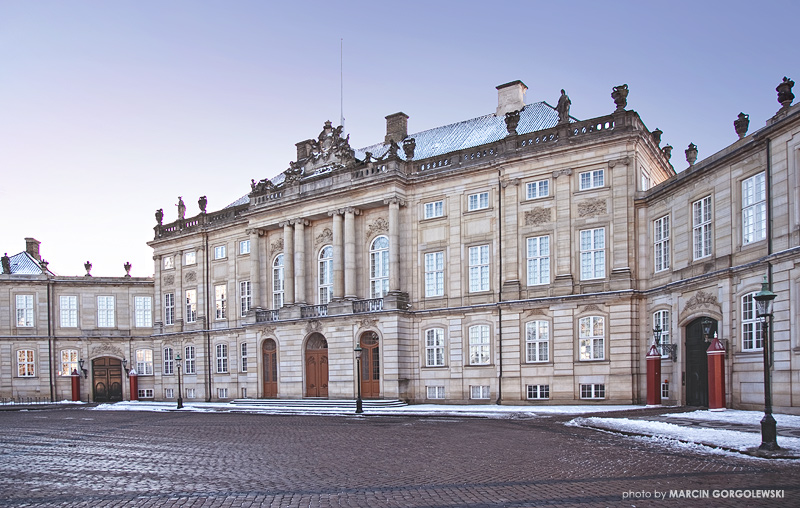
312	406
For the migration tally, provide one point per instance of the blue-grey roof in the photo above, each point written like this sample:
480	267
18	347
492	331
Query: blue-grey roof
23	264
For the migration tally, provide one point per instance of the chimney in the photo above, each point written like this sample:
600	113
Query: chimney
32	248
396	127
510	97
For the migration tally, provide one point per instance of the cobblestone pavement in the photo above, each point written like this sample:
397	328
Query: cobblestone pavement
84	458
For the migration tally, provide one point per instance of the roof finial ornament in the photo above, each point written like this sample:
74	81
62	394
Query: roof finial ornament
691	154
657	136
512	120
741	124
160	216
620	96
202	202
667	151
409	146
785	95
127	266
563	107
88	266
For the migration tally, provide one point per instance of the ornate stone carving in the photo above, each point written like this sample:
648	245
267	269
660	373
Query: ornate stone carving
191	277
160	216
537	312
620	96
88	266
127	266
169	280
367	323
202	202
785	95
509	181
565	172
657	136
563	108
267	331
276	246
264	186
667	151
313	326
537	216
691	153
105	349
591	308
701	299
395	199
181	208
625	161
409	146
512	121
592	207
379	225
325	237
741	124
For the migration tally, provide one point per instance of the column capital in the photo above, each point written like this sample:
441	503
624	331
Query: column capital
394	200
254	231
336	211
299	221
625	161
567	172
284	223
509	181
350	209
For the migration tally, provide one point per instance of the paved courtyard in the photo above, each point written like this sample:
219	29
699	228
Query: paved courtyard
85	458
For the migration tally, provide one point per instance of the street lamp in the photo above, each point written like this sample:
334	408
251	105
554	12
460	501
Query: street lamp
705	324
85	372
180	390
665	349
769	433
358	350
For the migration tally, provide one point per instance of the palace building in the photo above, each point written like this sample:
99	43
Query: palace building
522	257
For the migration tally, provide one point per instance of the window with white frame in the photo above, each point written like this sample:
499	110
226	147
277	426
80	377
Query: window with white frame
277	282
661	243
146	393
645	182
752	326
325	275
169	393
220	301
169	361
593	391
479	268
189	360
191	305
754	209
143	311
665	390
540	189
222	358
434	392
592	179
144	362
244	247
69	362
243	351
479	392
190	393
701	231
379	267
245	297
593	253
434	274
434	347
222	393
105	311
169	308
592	338
26	366
220	252
68	309
479	345
190	258
661	321
538	392
537	341
168	263
24	311
538	258
434	209
478	201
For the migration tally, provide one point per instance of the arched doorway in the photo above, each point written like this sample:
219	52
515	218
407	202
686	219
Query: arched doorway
697	363
316	366
269	354
107	379
370	366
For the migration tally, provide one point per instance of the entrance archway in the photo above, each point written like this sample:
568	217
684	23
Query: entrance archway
269	353
697	363
316	366
370	366
107	379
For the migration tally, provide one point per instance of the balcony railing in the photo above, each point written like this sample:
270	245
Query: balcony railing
265	316
371	305
314	311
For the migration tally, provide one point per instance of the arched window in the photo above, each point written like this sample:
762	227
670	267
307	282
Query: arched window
325	274
379	267
277	282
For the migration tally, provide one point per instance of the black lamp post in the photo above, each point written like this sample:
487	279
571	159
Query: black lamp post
359	408
769	433
85	372
180	390
706	326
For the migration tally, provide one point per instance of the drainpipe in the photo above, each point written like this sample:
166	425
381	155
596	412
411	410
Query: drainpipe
768	184
208	320
50	341
500	286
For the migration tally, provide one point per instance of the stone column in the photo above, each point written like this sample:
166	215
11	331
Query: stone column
394	243
158	304
350	253
508	193
288	263
255	270
338	258
300	260
562	283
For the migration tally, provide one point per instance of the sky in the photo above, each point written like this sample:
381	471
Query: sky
111	110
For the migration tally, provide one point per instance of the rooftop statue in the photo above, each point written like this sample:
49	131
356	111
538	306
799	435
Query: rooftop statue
181	208
563	107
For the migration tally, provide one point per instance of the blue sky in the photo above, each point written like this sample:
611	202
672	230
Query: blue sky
111	110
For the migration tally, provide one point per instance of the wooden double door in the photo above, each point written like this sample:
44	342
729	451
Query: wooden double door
107	379
370	366
697	363
316	356
269	353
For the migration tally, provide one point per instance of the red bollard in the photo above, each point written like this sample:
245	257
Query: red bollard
716	375
134	385
76	385
653	377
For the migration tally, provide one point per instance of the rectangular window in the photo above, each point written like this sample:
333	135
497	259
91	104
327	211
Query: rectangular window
146	393
434	209
105	311
661	321
26	367
540	189
752	326
190	393
754	209
222	393
434	392
479	392
169	308
592	338
219	252
701	234
592	179
244	247
479	345
144	362
222	358
221	301
24	311
68	307
478	201
244	392
538	260
593	391
665	390
169	361
479	268
537	341
190	258
277	282
245	299
434	347
661	243
143	311
645	182
243	349
434	274
169	393
69	362
168	263
191	305
538	392
188	360
593	253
